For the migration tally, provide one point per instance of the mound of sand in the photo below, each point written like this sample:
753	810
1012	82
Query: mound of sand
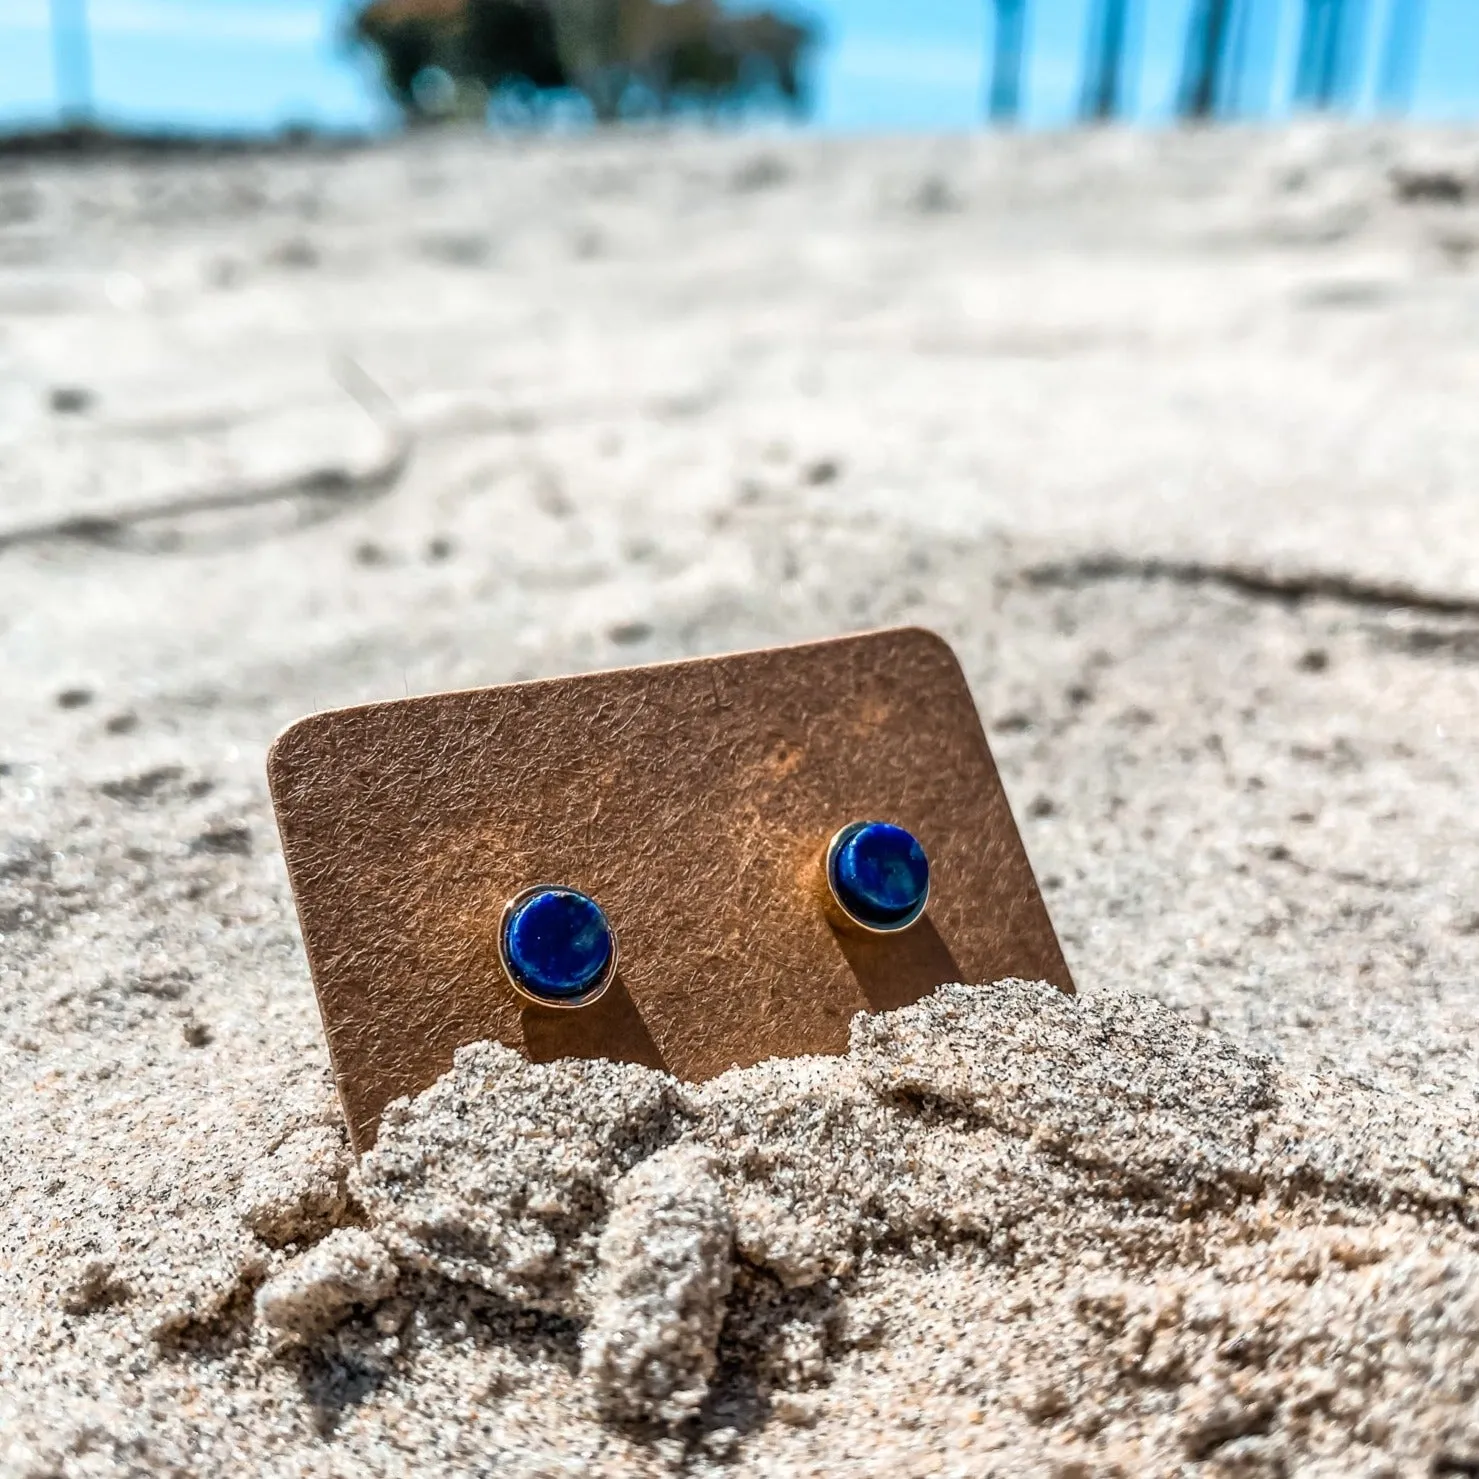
1030	1233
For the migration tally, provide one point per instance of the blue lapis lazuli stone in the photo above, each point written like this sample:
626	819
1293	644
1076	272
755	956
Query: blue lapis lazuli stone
558	944
880	874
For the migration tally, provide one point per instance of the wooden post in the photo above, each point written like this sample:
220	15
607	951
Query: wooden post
1330	52
1207	40
1004	94
72	60
1401	55
1103	71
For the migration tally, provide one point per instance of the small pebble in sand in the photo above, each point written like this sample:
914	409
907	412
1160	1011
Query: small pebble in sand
318	1288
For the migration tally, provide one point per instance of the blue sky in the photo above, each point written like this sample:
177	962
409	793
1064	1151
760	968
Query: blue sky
888	64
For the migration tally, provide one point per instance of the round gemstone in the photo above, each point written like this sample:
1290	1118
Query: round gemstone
558	944
880	875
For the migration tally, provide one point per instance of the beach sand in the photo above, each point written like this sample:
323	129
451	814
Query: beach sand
1171	435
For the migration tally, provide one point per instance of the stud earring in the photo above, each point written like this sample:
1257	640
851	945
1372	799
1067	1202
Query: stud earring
878	877
557	946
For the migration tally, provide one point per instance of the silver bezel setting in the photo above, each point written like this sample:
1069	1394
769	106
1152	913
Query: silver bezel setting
569	1004
841	913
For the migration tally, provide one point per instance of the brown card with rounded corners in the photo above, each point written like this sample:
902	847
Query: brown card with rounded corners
694	801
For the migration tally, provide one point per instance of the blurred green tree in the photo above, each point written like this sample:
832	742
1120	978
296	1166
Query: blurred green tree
447	57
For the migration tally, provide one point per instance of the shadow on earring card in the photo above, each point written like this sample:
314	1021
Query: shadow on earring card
896	970
609	1028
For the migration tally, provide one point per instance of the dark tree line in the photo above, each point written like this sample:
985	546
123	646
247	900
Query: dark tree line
1215	60
451	58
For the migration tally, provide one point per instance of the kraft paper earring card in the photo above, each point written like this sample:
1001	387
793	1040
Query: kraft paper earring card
693	865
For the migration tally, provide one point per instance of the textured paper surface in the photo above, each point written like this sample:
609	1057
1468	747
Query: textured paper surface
694	800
